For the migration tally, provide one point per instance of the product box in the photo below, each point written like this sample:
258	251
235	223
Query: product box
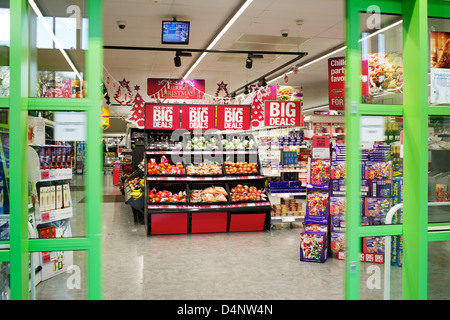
373	245
397	197
66	195
374	207
379	170
59	197
338	169
317	209
337	187
337	205
320	172
313	246
43	199
316	227
337	223
52	197
381	188
337	241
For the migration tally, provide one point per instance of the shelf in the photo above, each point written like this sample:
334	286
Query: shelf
205	178
197	207
287	194
284	219
55	174
54	215
203	152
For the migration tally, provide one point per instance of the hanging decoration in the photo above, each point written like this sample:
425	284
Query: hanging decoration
123	98
137	110
222	87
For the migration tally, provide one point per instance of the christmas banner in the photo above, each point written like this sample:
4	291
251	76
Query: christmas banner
198	117
283	114
257	103
162	117
233	117
336	83
137	110
160	88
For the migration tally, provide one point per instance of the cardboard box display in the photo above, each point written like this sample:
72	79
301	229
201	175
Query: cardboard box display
59	197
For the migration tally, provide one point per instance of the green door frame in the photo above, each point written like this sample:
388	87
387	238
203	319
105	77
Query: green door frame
18	104
415	112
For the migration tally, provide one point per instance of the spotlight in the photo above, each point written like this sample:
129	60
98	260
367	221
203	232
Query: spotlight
246	90
264	83
177	61
249	63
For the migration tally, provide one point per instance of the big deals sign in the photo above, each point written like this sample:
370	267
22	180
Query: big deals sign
282	113
162	117
231	117
198	117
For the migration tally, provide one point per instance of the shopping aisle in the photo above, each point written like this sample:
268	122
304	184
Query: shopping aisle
228	266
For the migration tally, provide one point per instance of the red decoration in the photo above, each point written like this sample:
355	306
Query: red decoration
222	87
123	98
138	110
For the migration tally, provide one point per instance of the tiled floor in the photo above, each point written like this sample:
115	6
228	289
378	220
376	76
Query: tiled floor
254	265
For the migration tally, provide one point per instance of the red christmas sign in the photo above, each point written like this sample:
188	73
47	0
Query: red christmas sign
201	117
162	117
336	83
283	113
233	117
175	88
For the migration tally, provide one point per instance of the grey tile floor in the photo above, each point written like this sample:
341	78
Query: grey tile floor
228	266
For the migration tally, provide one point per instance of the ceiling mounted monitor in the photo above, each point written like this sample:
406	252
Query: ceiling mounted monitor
175	32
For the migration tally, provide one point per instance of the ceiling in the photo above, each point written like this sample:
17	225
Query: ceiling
258	29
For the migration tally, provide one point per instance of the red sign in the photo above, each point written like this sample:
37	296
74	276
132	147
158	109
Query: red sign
336	83
320	141
282	114
162	117
175	88
233	117
201	117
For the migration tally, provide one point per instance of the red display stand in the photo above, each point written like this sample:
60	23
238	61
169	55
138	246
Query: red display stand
208	222
247	222
169	223
116	173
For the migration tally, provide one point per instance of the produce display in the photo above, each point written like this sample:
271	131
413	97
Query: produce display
164	167
238	144
137	186
240	167
155	196
246	193
210	194
205	168
202	143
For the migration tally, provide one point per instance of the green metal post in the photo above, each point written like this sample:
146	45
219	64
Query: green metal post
94	188
415	163
353	153
18	120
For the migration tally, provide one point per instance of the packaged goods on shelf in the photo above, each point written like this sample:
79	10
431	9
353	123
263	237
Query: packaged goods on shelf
211	194
204	168
337	241
373	244
317	207
320	172
313	246
164	167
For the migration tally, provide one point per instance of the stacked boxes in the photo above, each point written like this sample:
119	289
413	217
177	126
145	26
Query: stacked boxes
54	197
55	157
397	241
288	207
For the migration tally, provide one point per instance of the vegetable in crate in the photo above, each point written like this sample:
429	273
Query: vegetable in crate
155	196
240	167
200	143
164	167
211	194
238	144
246	193
205	168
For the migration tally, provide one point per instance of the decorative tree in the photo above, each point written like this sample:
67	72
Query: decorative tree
137	115
123	98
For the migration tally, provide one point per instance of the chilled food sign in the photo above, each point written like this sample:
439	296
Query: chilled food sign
162	117
233	117
198	117
282	113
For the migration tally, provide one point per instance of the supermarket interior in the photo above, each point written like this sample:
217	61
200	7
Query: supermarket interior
224	150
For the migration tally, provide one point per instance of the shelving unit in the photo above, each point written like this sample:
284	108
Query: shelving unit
190	217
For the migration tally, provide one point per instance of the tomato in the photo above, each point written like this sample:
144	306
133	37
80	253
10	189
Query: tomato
157	199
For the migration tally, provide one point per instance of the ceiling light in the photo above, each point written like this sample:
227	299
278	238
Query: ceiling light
246	90
263	83
177	61
248	63
221	33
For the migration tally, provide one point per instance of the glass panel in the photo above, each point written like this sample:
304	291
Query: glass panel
439	82
438	266
382	62
439	168
4	175
57	193
4	48
58	33
59	275
4	281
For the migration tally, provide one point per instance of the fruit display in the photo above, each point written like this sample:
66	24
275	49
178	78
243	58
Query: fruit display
164	167
155	196
240	167
210	194
202	143
137	186
238	144
204	168
246	193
